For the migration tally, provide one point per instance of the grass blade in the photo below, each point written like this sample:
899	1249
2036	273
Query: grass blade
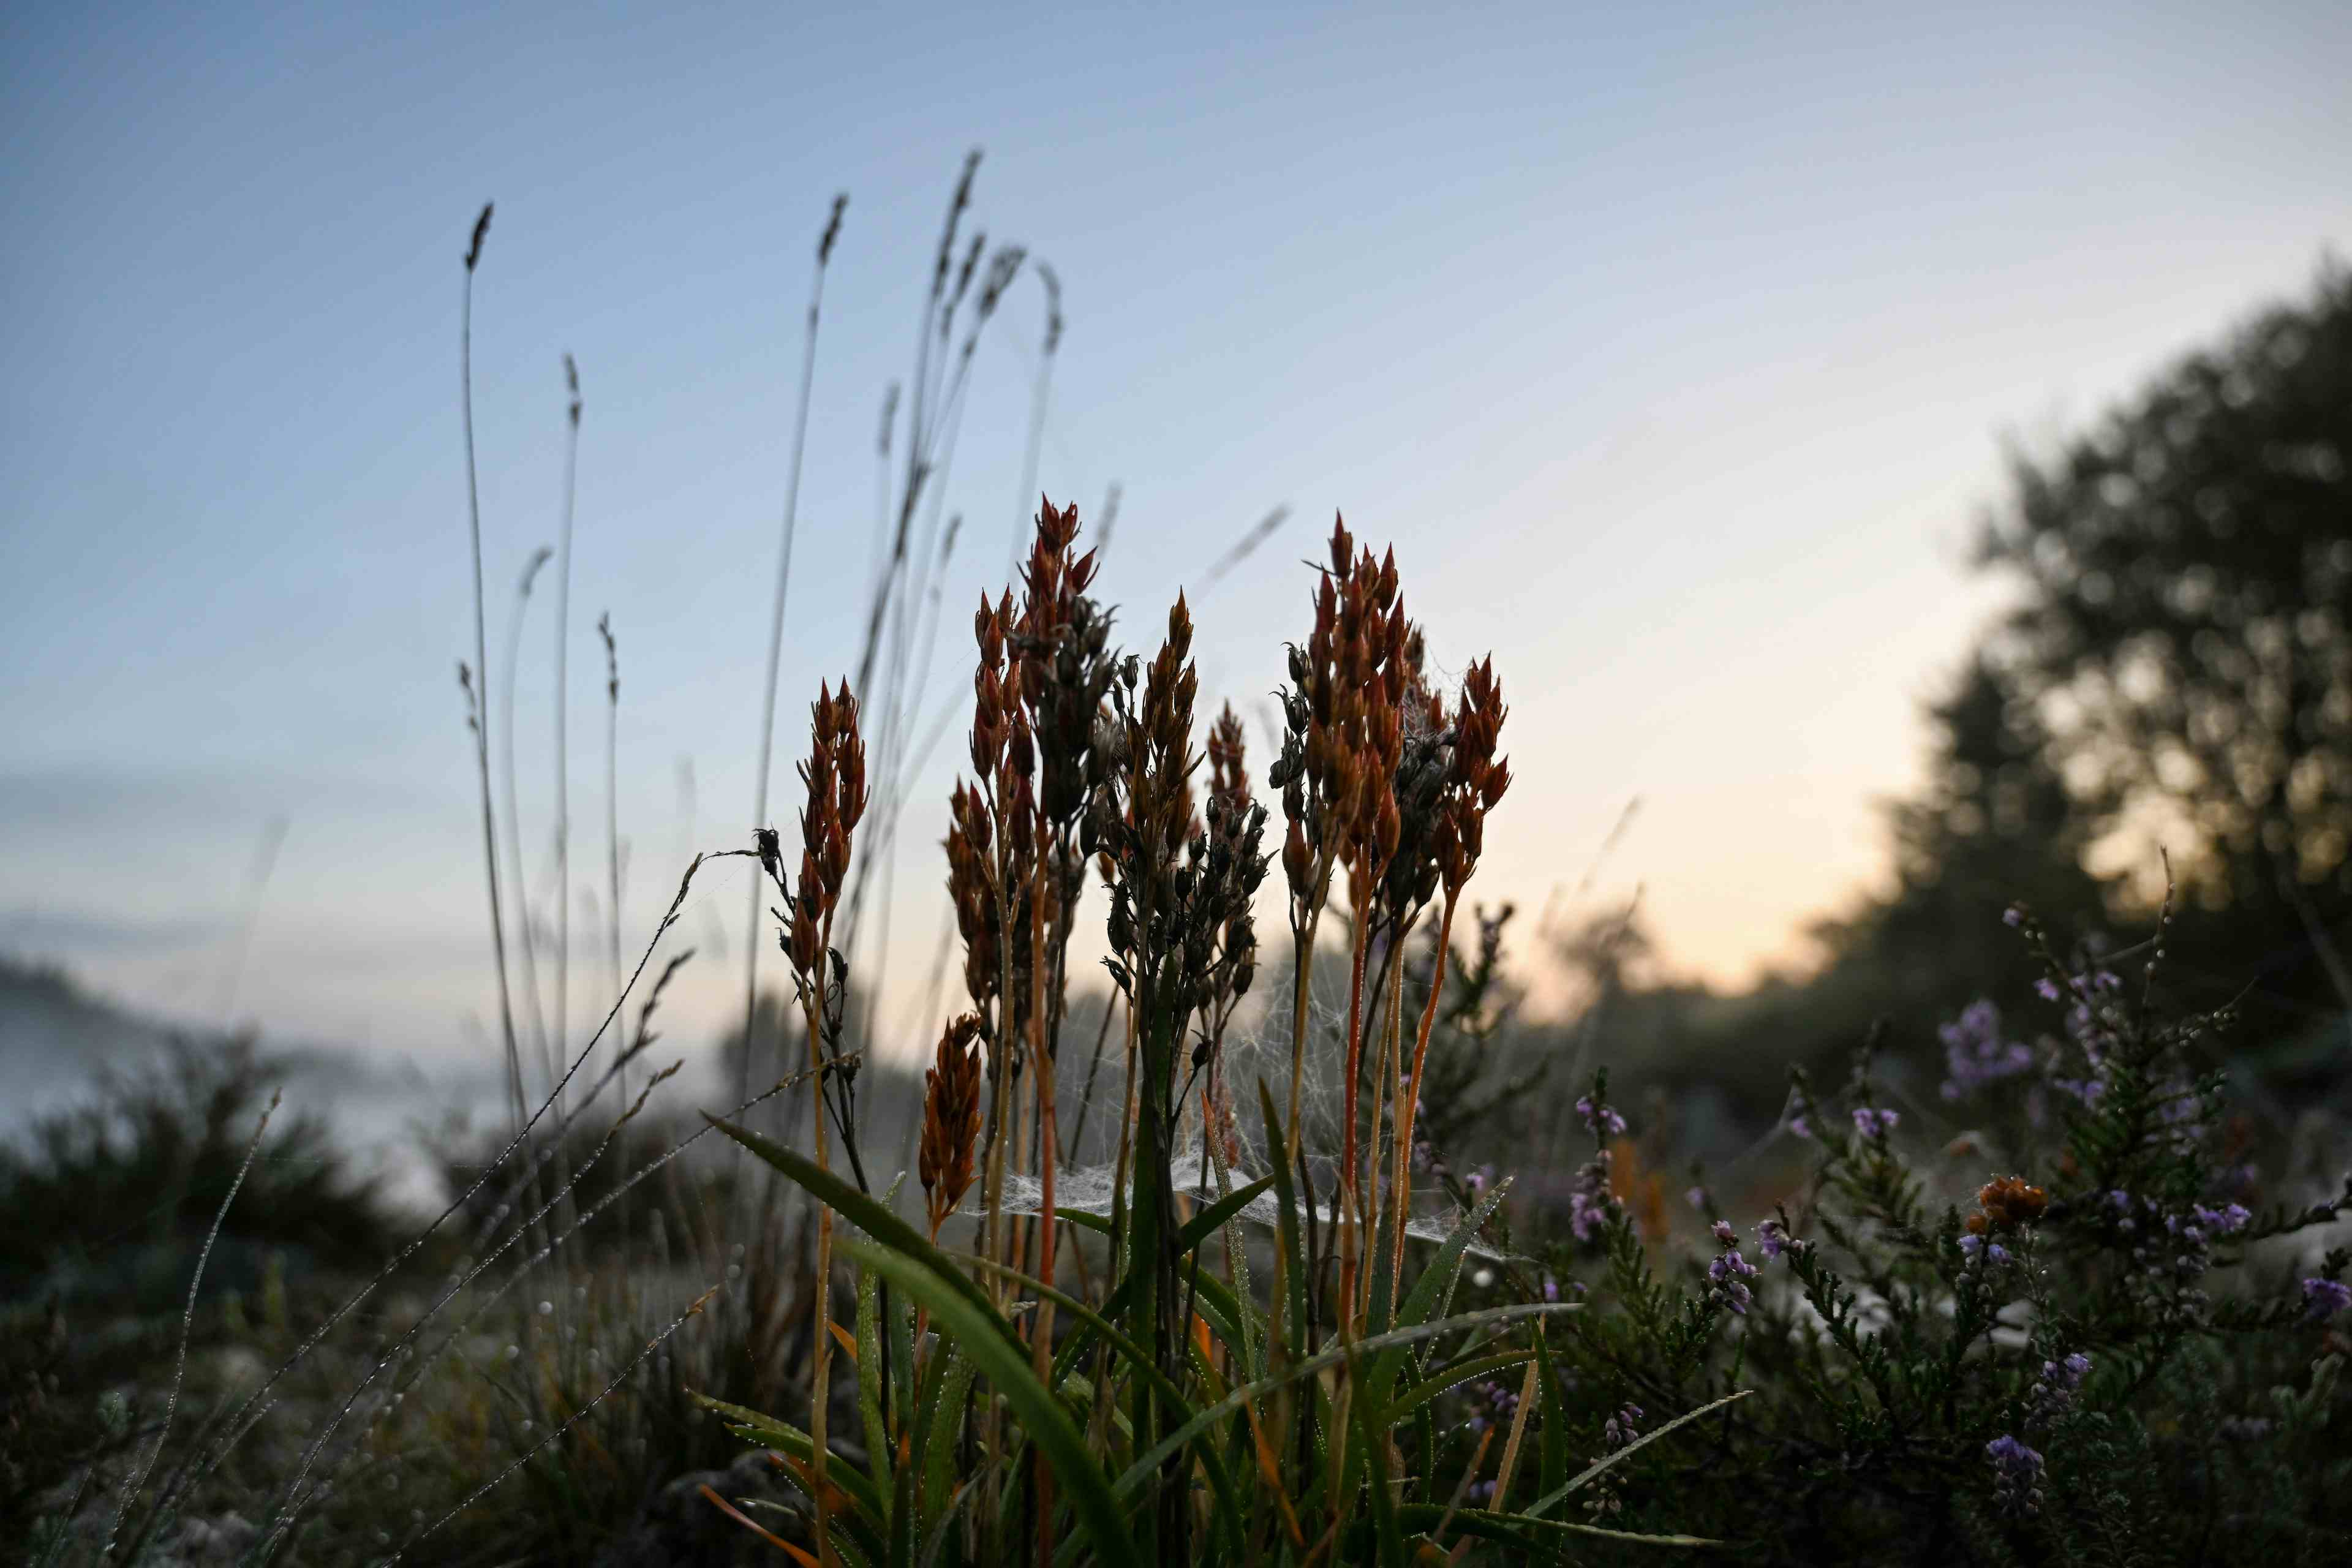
1645	1440
979	1331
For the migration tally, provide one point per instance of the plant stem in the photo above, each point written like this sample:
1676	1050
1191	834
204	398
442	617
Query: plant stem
1391	1043
1348	1212
1048	1148
548	1061
481	664
561	1040
820	1397
1302	995
1405	1125
775	654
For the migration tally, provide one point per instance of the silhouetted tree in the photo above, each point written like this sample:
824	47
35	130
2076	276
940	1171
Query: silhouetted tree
2188	576
2179	667
1994	825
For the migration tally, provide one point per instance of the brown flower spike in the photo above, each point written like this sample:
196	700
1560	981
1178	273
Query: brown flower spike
951	1119
834	778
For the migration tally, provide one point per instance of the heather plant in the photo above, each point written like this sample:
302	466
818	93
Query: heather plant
2107	1344
151	1154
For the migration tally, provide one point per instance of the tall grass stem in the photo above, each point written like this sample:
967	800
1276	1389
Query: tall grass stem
776	635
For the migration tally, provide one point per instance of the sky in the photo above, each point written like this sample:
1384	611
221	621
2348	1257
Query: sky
1676	350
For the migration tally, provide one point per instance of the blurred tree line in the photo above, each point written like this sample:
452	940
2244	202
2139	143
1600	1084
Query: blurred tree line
2175	672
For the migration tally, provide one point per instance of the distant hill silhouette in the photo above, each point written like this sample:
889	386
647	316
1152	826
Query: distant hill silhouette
55	1036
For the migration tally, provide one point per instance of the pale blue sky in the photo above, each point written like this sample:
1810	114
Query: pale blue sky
1673	351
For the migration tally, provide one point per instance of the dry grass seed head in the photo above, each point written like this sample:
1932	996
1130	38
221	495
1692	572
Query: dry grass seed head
951	1118
833	778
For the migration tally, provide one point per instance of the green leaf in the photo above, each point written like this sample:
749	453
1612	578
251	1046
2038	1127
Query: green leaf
899	1325
1452	1376
1434	1284
1499	1527
1552	1451
878	1457
866	1213
1643	1441
1384	1511
902	1514
1196	1230
1290	1260
979	1331
948	1387
1202	1225
855	1484
947	1517
1210	1220
1383	1265
1136	1473
1253	1351
1173	1397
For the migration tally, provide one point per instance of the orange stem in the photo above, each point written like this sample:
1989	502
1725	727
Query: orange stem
1351	1203
1404	1124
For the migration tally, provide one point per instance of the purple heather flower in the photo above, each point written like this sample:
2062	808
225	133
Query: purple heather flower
2046	988
1499	1403
1728	1273
2227	1220
1772	1239
1800	1126
1976	1054
1591	1205
2017	1474
1602	1120
1621	1427
1696	1198
1974	1248
1550	1288
2323	1299
2053	1395
2089	1090
1723	1232
2013	916
1871	1123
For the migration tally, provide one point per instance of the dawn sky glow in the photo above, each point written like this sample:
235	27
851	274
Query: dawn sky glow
1674	357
